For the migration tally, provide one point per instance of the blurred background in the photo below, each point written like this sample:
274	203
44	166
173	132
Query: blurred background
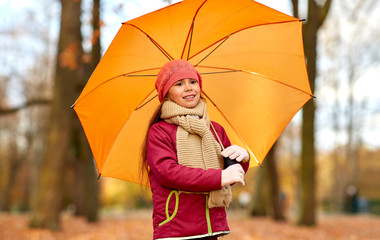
327	161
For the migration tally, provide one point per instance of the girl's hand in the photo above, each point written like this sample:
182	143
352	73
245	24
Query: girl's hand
235	152
233	174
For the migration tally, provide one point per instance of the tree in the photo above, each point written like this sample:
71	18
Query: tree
331	80
267	199
23	121
86	194
316	15
351	50
24	164
49	204
16	157
361	54
260	205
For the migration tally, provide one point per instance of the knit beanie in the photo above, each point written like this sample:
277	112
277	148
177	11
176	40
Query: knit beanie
173	71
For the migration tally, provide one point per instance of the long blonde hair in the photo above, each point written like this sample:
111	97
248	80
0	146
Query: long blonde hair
144	168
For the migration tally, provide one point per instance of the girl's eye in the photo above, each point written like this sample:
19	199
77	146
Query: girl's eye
178	84
193	82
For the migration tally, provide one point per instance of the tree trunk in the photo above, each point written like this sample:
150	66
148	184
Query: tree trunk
49	203
9	184
86	197
353	128
96	46
267	199
308	208
92	187
86	186
316	16
259	205
274	193
308	168
17	161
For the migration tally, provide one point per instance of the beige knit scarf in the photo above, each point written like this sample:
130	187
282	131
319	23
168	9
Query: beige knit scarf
196	146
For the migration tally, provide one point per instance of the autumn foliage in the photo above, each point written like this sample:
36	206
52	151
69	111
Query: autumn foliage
137	225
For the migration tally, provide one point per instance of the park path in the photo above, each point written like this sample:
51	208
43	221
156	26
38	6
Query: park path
137	225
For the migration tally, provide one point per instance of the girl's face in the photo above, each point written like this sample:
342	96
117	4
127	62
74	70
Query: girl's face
185	92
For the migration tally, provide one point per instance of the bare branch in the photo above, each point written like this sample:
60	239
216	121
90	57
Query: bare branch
6	111
295	8
323	11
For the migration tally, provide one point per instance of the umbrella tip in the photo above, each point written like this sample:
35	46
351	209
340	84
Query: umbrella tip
100	174
314	97
72	106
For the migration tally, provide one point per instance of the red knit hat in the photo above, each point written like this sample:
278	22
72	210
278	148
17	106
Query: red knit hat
173	71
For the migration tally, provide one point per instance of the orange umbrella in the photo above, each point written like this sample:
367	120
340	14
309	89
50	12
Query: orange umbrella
251	60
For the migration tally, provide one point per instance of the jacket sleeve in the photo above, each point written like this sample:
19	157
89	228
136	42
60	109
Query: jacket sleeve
226	143
162	160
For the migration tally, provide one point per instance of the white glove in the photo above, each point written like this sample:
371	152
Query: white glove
235	152
233	174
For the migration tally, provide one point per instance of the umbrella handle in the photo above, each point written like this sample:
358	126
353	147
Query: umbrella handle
216	134
227	161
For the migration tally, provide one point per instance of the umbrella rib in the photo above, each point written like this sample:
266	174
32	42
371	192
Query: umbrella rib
253	155
209	46
159	48
277	81
191	38
162	50
142	105
225	39
130	74
227	71
257	74
190	34
143	75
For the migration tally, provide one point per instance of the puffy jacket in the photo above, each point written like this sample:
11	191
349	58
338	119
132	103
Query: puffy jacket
182	215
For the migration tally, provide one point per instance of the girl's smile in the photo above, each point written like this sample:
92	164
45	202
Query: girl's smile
185	92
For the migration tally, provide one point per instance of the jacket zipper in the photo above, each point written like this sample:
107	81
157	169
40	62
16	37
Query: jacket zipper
209	229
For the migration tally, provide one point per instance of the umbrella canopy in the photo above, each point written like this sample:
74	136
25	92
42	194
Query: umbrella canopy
250	58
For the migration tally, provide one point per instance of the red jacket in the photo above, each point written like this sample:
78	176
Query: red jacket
182	216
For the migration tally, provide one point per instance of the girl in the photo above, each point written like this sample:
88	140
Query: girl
190	189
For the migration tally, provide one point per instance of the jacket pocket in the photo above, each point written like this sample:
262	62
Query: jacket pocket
168	216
